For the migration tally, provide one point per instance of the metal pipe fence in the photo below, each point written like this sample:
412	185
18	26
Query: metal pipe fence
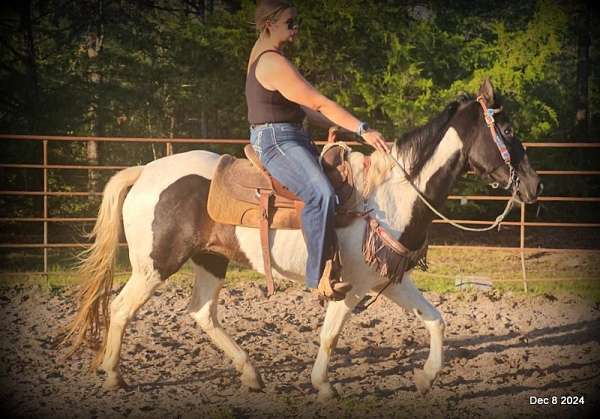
45	193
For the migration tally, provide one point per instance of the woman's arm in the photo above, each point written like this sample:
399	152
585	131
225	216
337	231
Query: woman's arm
275	72
317	118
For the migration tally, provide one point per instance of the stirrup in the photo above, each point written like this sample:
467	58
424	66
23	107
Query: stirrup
330	289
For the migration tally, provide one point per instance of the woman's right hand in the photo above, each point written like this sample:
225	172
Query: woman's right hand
375	139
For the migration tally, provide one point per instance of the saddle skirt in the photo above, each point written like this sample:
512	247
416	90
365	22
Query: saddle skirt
238	185
235	193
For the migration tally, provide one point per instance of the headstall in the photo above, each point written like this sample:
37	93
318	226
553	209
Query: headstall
488	114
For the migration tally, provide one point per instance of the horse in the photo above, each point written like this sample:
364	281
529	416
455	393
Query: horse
161	208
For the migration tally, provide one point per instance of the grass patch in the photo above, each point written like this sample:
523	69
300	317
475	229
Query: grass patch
583	288
547	273
239	275
499	265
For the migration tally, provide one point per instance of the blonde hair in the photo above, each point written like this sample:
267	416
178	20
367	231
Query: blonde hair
269	10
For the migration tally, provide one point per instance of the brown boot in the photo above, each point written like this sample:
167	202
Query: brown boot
329	287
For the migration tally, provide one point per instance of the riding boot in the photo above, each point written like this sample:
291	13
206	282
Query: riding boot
331	285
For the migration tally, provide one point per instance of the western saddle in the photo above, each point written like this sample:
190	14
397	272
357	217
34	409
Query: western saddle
242	192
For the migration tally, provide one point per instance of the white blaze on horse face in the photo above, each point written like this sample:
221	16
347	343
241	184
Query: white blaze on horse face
394	199
138	208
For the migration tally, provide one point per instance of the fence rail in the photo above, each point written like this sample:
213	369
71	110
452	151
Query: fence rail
45	166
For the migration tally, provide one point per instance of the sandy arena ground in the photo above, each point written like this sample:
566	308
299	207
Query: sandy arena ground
500	351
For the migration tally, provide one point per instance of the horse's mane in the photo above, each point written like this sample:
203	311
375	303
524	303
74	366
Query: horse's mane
414	148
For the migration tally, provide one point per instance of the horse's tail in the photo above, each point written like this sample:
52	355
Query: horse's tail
96	266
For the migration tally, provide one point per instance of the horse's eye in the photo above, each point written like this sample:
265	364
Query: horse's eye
508	131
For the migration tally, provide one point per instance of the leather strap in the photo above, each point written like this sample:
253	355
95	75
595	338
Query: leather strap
265	203
389	241
488	114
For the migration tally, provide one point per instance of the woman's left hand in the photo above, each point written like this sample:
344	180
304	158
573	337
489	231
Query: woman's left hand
375	139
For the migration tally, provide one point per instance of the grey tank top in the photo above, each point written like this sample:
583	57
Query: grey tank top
266	105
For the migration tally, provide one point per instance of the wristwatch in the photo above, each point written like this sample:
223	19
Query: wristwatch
362	128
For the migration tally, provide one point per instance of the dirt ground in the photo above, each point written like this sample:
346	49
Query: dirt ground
500	351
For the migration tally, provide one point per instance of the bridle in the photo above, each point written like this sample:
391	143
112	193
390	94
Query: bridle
488	114
513	181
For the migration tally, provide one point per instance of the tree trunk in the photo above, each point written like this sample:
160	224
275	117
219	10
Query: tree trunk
580	130
33	95
94	46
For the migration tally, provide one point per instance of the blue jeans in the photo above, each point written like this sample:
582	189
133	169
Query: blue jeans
287	153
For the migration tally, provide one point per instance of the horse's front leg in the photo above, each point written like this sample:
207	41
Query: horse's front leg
335	317
406	295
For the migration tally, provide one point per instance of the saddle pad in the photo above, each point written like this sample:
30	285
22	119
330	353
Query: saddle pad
233	196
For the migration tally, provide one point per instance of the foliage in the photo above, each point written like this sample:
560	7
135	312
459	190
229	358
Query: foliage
523	65
395	63
177	68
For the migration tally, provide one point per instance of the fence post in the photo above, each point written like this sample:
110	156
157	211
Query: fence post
45	153
523	246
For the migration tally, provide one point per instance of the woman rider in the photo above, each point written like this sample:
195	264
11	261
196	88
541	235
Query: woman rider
278	99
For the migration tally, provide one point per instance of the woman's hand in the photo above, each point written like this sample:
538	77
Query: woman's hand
375	139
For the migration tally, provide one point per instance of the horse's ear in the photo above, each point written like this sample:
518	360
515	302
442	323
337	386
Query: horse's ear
487	91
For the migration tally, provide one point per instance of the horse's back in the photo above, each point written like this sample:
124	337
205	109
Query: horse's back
164	171
159	174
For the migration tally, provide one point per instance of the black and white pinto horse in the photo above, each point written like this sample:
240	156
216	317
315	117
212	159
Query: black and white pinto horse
165	222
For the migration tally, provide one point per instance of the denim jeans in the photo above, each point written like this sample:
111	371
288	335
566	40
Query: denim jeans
287	153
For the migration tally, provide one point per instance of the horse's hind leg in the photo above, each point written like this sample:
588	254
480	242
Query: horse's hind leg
134	294
406	295
209	272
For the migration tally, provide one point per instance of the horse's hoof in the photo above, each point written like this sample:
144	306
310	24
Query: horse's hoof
422	382
114	382
252	380
326	393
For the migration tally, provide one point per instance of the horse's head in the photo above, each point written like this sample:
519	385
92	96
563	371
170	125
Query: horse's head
496	153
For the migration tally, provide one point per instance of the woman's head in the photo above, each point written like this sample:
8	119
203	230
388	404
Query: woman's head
276	17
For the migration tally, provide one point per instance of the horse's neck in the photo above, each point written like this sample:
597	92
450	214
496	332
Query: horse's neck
396	203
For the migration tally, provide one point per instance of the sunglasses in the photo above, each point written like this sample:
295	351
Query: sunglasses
293	23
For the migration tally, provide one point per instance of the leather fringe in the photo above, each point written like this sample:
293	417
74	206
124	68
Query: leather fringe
385	257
